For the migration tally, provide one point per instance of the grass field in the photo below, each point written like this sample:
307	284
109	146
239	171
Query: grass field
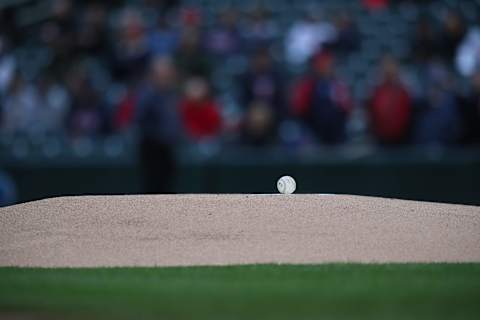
335	291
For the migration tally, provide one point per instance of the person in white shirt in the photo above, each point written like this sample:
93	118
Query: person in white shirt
307	36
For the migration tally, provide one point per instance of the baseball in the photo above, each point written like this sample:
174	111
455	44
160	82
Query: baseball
286	185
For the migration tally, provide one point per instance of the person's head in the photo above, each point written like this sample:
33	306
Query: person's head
62	8
190	39
196	88
76	78
261	60
4	45
475	80
258	14
163	72
389	68
323	63
343	20
95	15
453	22
131	24
423	28
228	18
258	120
191	17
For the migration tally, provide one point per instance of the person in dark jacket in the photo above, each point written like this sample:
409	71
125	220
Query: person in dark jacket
263	99
157	118
323	101
470	113
438	118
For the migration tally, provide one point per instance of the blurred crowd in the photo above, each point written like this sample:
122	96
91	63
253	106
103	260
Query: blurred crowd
97	68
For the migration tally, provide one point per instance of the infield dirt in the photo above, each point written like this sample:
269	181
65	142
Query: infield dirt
176	230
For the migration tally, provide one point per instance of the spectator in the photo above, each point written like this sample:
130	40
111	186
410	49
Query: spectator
262	94
163	39
259	125
323	101
132	47
8	190
19	106
191	17
190	56
260	30
470	112
424	42
438	120
348	38
451	35
8	65
307	36
88	116
124	115
93	39
375	5
467	60
224	38
53	106
390	106
158	124
9	21
200	113
59	35
263	83
119	45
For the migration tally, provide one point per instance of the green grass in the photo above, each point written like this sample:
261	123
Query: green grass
336	291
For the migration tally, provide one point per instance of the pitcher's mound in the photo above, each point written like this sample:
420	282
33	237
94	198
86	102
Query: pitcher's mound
171	230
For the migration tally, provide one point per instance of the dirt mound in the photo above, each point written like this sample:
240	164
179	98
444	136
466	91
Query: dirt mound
168	230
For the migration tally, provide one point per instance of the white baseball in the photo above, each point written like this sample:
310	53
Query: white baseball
286	185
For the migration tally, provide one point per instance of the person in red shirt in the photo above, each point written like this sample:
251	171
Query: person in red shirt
390	106
374	5
124	115
200	113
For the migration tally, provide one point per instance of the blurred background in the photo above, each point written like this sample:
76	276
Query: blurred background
369	97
